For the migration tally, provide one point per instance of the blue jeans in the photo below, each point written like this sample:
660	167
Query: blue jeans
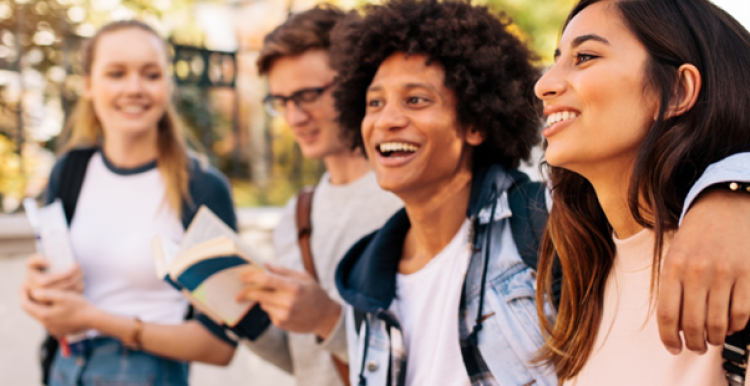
106	362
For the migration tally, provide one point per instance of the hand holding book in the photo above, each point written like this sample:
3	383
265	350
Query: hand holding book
206	267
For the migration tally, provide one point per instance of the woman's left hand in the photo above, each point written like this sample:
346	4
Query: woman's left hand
704	287
61	312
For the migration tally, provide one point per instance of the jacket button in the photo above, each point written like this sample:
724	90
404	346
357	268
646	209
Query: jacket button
372	366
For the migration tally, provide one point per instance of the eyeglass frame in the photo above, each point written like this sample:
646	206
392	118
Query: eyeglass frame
294	97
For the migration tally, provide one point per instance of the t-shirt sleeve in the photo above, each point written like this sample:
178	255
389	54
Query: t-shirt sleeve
252	326
218	331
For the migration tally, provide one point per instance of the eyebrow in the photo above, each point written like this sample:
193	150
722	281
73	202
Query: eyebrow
582	39
408	86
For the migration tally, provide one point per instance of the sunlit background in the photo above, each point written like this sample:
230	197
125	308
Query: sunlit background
40	80
215	45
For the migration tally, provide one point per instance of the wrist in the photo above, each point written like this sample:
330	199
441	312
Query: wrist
93	317
329	321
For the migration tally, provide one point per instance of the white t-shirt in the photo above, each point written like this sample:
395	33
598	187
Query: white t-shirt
116	217
426	304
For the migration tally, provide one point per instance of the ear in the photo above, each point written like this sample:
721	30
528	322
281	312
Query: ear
87	92
475	137
687	91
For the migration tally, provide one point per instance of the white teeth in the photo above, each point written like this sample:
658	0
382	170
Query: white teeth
559	117
133	109
397	146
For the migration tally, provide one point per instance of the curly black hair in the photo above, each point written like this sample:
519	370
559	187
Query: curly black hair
488	68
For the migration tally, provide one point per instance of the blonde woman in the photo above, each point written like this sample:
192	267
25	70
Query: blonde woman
136	179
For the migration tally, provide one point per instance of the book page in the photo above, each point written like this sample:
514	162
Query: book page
218	293
164	252
207	226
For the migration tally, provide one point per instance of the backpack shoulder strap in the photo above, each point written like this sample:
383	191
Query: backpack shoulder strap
304	229
528	203
72	175
529	208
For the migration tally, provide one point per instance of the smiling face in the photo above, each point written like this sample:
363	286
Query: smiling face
410	130
596	100
129	88
315	128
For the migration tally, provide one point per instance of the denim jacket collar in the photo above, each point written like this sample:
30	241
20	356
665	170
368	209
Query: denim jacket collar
366	276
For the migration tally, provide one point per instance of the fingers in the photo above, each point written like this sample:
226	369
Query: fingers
71	279
37	311
264	297
717	316
37	262
740	307
42	295
282	271
268	280
669	309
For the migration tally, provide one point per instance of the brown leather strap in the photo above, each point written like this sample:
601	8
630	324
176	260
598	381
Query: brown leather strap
304	230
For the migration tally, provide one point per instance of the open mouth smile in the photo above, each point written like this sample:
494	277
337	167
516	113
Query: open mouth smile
396	153
559	120
396	149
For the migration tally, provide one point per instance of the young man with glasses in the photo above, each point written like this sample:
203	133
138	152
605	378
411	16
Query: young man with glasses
307	337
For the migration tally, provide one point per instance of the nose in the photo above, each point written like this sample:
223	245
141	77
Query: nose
551	84
294	115
391	117
134	84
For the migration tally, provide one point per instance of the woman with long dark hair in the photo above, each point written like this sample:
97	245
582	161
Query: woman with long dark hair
643	97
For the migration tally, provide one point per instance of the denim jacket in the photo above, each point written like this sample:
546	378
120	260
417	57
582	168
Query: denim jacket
509	334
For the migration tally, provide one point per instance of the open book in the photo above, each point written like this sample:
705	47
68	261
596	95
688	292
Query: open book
206	267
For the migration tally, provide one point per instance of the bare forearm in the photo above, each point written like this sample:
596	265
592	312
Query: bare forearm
188	341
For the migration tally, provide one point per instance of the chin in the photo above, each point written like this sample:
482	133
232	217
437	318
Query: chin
312	151
392	183
555	156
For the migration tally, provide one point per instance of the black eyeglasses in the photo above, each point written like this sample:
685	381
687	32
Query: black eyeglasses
305	99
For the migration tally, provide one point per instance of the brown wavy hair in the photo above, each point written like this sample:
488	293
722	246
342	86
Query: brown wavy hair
674	153
487	67
301	32
83	128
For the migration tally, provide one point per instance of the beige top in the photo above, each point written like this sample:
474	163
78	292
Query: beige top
341	215
628	350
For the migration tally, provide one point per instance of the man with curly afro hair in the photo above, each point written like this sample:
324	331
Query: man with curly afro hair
440	97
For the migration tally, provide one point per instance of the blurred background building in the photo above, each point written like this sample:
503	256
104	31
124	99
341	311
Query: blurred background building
215	45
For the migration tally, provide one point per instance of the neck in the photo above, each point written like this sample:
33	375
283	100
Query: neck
436	215
611	186
129	151
346	167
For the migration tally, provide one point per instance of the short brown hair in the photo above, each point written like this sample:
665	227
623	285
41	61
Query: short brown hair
301	32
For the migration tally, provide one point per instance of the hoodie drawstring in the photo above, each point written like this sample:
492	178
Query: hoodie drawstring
362	380
473	338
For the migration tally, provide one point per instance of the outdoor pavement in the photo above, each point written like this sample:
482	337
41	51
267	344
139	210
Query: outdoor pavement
20	335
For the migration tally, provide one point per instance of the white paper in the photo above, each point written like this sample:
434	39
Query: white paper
55	240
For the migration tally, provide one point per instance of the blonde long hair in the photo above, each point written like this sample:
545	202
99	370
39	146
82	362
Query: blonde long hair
83	128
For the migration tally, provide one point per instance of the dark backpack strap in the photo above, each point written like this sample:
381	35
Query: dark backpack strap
735	356
71	179
528	203
529	208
